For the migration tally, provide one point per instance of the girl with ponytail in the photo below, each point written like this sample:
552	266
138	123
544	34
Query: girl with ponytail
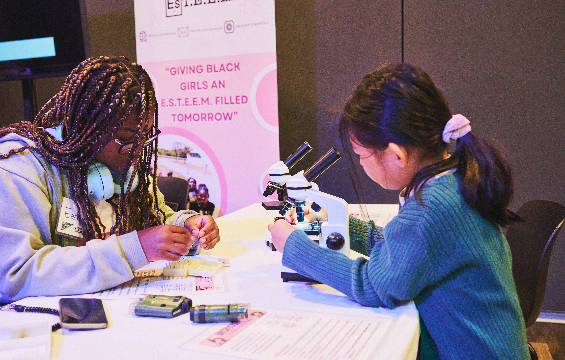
445	250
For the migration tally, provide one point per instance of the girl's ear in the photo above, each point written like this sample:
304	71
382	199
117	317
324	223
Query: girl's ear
397	155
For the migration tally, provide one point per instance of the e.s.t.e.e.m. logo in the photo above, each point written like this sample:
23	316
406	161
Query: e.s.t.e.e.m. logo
174	7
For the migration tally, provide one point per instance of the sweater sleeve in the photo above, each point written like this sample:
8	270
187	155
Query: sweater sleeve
31	262
363	235
391	276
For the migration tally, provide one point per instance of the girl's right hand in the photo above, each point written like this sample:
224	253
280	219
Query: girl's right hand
309	215
165	242
280	231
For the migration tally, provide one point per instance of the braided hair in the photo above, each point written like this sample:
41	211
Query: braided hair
93	103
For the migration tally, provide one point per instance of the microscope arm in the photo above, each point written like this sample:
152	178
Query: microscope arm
337	226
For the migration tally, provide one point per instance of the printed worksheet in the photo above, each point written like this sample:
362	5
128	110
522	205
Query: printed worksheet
164	285
287	334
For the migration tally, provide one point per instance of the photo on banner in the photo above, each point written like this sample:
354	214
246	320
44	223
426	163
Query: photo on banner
213	64
187	157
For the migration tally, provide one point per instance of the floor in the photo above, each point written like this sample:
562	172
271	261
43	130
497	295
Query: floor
548	338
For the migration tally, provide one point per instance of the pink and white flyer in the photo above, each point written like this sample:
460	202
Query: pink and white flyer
213	63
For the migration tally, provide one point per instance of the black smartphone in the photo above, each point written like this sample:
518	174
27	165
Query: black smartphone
82	313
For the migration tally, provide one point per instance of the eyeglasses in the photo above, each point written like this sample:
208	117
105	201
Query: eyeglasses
126	148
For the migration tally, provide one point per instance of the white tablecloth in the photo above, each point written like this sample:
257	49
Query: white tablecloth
253	277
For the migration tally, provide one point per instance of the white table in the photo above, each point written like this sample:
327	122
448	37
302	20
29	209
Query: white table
253	277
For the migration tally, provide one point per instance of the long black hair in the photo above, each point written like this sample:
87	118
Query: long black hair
399	103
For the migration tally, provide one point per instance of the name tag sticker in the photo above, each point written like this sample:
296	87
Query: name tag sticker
68	223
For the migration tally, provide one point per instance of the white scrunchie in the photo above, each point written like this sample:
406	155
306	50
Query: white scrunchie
455	128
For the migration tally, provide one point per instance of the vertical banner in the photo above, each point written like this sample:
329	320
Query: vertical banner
213	63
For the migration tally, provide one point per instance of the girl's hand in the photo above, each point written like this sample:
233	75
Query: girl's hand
203	227
165	242
280	231
309	215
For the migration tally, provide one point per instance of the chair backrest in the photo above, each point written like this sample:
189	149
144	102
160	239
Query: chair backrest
173	205
174	189
531	243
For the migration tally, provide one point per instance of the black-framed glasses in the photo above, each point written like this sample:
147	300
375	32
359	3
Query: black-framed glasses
126	148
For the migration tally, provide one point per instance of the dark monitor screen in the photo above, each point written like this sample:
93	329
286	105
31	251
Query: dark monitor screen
41	38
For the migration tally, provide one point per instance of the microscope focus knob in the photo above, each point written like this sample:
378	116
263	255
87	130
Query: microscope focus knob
315	207
335	241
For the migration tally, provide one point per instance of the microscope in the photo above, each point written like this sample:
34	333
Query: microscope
333	233
279	174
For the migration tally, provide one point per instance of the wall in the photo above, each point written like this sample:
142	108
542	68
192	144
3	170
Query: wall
352	39
112	32
296	77
499	63
502	63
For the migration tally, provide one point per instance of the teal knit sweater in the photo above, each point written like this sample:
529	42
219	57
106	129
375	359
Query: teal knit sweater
455	265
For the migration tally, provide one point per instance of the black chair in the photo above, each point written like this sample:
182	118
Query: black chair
173	205
174	189
531	243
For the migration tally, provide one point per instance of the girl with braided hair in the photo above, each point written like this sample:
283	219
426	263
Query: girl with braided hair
101	125
445	250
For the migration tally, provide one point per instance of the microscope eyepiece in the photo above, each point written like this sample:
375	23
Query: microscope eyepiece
298	155
322	165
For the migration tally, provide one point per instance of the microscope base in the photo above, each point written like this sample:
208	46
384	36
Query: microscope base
287	274
292	276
